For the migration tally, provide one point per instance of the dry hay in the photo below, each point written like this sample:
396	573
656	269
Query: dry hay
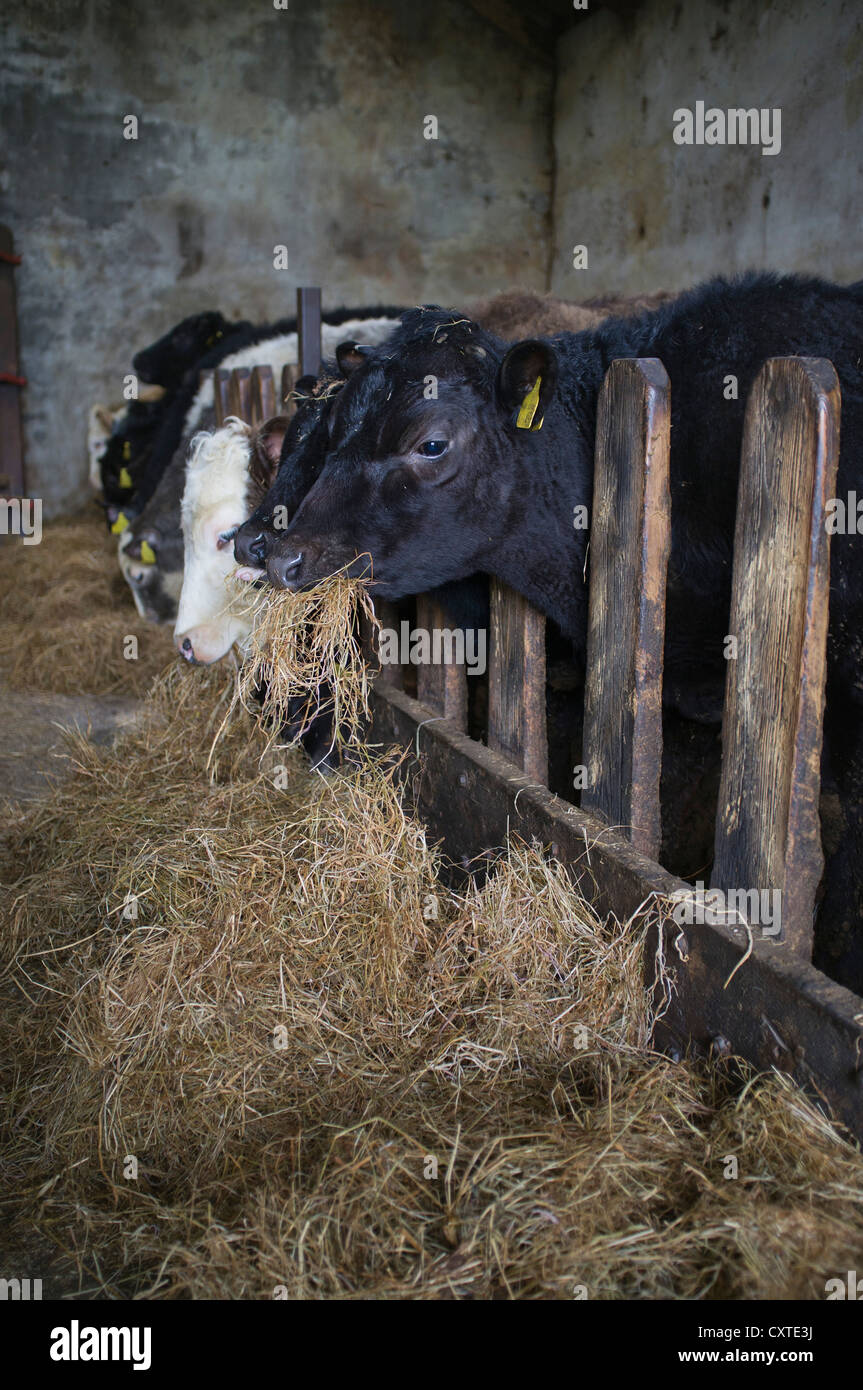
306	653
66	611
341	1079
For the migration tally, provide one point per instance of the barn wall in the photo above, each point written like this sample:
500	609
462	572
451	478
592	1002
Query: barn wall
657	215
257	127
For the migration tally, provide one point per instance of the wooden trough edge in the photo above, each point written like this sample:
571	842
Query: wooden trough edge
776	1011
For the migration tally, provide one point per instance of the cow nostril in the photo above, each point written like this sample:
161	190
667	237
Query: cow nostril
187	645
285	568
251	549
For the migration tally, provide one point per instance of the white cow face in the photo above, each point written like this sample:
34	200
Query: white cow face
212	618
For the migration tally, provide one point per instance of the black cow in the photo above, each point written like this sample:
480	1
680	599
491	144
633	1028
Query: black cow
126	453
165	362
302	459
429	474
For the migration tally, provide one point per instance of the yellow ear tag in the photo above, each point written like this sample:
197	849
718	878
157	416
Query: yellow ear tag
148	554
125	478
119	525
529	407
127	451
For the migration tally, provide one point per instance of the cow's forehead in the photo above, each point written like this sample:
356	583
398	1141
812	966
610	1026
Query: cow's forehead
396	381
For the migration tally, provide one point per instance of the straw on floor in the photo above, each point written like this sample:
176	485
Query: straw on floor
66	614
253	1047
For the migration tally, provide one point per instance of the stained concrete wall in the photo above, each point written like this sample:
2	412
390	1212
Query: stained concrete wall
655	214
257	127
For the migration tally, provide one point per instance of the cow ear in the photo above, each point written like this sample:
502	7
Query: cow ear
351	356
144	545
527	380
267	443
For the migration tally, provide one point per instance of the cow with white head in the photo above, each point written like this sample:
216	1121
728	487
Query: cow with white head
227	474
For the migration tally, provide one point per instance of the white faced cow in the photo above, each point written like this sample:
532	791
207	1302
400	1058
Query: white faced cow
228	473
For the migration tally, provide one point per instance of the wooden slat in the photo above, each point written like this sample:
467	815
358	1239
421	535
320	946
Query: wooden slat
441	686
222	395
11	433
516	682
240	394
630	537
768	830
390	675
289	376
263	395
309	330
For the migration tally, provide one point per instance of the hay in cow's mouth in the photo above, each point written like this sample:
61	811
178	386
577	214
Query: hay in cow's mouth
306	655
339	1078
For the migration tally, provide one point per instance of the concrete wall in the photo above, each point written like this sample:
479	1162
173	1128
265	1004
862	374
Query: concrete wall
256	127
658	215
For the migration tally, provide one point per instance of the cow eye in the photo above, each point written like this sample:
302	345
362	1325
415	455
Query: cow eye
226	537
433	448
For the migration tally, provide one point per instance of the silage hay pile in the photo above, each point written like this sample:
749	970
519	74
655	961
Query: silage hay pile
337	1078
65	614
306	655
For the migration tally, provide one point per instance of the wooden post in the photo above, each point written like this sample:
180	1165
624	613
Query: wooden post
263	395
442	685
516	682
240	394
11	433
630	537
768	829
309	331
390	675
222	395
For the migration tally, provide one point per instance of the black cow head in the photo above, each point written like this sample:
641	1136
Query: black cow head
126	454
302	456
166	361
429	459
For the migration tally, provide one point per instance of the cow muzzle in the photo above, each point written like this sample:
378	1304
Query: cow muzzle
286	570
252	545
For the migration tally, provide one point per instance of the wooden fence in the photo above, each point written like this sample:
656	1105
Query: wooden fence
733	987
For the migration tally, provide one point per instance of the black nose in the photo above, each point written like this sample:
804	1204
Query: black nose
284	569
250	547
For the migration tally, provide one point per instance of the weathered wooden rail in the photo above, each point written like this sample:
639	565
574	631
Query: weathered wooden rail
734	987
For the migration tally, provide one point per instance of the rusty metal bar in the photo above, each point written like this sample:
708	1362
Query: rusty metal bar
11	431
